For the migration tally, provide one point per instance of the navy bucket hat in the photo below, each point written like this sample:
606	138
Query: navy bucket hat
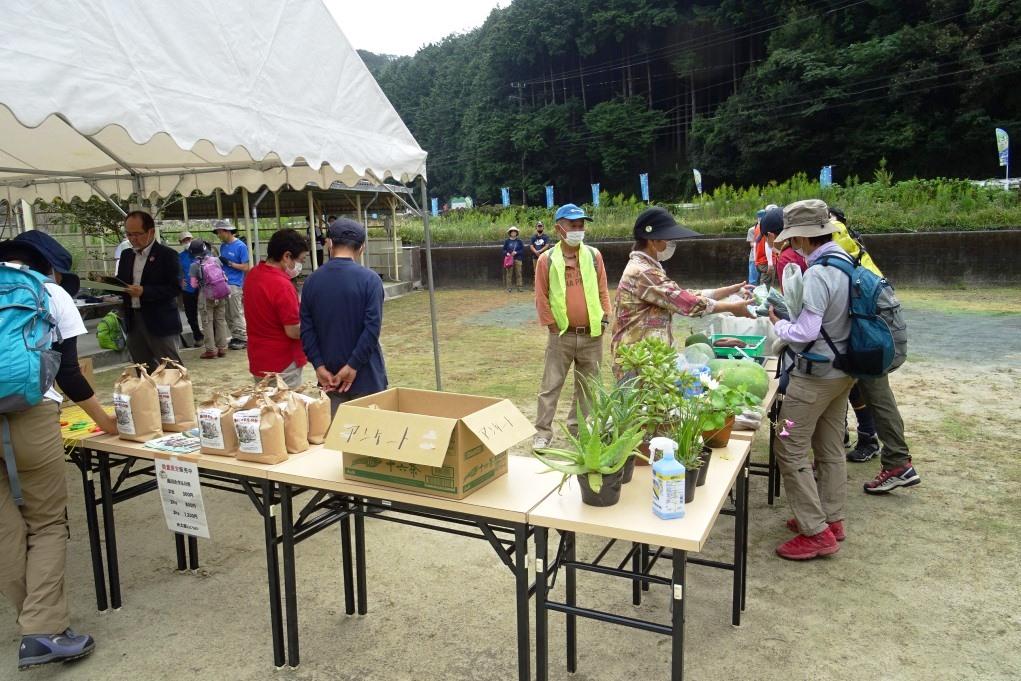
50	250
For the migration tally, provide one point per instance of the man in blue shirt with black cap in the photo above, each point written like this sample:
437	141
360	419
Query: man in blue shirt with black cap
341	316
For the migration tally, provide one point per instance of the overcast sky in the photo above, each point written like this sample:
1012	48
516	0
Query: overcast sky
403	26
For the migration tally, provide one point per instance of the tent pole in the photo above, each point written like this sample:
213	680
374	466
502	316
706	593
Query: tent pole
393	230
312	229
219	204
253	243
358	208
432	289
184	211
276	209
27	216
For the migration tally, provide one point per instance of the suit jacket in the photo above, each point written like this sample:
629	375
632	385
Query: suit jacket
161	286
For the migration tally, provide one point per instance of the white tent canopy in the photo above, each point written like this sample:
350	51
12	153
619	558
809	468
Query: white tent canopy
111	97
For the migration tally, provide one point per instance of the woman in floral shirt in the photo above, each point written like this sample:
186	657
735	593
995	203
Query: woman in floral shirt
647	298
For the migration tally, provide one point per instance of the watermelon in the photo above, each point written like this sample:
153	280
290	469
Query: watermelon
696	338
738	372
699	353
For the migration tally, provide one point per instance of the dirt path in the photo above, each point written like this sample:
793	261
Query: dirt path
924	588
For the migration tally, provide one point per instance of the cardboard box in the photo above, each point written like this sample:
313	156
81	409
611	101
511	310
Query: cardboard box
437	443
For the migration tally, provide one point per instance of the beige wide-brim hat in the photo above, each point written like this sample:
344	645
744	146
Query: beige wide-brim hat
808	218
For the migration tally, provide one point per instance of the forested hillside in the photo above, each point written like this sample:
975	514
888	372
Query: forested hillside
570	92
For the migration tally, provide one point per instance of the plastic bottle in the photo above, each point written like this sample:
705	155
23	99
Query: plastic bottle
667	480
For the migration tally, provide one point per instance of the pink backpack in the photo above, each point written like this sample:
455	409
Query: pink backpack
214	280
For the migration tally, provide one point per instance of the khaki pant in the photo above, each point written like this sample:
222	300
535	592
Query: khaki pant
33	537
878	395
214	321
586	354
236	315
816	408
147	349
508	271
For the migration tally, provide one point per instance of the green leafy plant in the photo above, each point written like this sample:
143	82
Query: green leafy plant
602	445
722	402
653	364
687	432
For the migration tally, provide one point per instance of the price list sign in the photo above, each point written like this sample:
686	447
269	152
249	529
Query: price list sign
181	494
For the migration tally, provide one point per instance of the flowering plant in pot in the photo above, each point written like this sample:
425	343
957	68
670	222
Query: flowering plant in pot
597	463
722	403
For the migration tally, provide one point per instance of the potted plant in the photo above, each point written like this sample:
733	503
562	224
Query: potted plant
722	403
597	465
687	433
617	410
652	363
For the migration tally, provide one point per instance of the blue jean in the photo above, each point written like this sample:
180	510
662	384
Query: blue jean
753	274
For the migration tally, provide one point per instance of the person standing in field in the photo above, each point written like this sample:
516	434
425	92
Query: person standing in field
540	243
234	258
207	277
271	310
513	255
188	293
573	304
341	317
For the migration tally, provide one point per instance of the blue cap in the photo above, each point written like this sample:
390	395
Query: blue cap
569	211
760	213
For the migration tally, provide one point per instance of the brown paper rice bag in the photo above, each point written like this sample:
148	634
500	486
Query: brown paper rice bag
271	384
177	401
238	398
318	403
295	412
137	405
260	428
216	426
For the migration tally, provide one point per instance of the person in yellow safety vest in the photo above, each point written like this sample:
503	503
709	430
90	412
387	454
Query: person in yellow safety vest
573	303
843	238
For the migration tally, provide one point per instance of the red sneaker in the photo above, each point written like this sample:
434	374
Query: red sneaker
804	548
836	527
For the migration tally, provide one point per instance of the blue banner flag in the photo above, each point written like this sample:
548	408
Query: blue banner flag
436	207
643	179
1003	146
505	195
698	179
549	196
595	195
826	176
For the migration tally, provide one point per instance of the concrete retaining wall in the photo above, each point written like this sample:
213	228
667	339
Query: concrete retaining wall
918	259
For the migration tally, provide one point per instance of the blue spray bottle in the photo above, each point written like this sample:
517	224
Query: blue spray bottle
667	479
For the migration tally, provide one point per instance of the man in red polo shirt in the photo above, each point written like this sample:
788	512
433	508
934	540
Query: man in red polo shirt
271	309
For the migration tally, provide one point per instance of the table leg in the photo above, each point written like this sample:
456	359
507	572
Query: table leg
182	561
348	567
193	553
541	614
744	545
521	598
92	522
290	587
272	573
110	531
571	598
645	565
363	606
739	538
636	567
680	560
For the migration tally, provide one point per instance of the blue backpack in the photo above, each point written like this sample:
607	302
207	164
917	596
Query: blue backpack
878	341
26	334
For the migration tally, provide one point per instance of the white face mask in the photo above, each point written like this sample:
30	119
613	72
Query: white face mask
667	252
294	271
575	238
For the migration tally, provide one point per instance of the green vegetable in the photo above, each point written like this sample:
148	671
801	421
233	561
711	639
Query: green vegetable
741	373
699	353
696	338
